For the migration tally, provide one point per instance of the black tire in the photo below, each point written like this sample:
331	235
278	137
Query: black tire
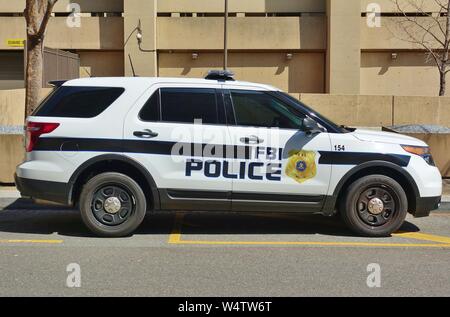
116	187
361	211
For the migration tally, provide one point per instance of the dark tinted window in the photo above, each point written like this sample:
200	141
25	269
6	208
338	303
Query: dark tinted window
324	121
150	111
258	109
78	102
189	104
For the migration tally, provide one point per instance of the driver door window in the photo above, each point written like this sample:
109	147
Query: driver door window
258	109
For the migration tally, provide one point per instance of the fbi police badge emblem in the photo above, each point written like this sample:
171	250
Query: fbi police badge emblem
301	165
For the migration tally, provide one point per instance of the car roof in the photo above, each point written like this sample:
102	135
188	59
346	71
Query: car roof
146	82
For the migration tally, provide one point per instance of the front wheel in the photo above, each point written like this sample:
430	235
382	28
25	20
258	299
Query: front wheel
112	205
374	206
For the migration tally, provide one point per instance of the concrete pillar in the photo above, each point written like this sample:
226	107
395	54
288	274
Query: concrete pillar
344	46
144	59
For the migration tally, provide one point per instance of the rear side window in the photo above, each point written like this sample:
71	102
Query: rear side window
150	111
186	105
78	102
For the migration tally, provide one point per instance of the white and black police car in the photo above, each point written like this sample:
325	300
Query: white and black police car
119	147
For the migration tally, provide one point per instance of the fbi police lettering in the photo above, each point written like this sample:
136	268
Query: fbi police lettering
212	156
259	163
255	163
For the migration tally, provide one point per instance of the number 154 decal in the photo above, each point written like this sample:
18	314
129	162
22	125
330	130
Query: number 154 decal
339	148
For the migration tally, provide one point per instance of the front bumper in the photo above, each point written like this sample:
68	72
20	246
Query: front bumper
424	205
45	190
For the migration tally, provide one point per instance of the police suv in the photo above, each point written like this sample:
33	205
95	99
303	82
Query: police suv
118	147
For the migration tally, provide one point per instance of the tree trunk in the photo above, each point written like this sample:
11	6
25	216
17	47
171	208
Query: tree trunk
37	14
443	81
33	74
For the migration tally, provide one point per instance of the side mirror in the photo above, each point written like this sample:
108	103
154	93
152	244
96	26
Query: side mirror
311	126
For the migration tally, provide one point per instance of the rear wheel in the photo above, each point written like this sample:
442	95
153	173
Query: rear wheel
112	205
375	206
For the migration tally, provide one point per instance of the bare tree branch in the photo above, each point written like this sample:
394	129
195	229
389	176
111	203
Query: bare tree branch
47	15
415	22
429	30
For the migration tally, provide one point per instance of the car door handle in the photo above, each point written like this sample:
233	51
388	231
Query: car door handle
251	140
145	134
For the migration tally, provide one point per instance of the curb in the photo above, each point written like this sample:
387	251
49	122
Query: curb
9	194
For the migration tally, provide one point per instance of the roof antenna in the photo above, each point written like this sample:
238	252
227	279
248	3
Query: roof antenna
132	67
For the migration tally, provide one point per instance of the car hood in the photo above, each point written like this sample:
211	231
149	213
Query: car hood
386	137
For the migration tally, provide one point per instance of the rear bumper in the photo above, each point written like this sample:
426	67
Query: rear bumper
424	205
45	190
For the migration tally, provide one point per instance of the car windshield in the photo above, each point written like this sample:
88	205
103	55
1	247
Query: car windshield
315	114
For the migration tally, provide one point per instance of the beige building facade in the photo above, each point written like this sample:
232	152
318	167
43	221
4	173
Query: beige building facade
300	46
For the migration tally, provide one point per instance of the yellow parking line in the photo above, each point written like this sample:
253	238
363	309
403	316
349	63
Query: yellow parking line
443	242
32	241
175	235
307	243
423	237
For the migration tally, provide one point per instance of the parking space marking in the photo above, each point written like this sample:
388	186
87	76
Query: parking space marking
423	237
442	241
31	241
175	235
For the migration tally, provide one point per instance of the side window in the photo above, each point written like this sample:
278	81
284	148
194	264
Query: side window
188	104
150	111
258	109
78	102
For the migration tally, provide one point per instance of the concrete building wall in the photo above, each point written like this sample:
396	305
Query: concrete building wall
410	71
391	36
101	64
97	33
389	6
257	33
242	6
305	72
12	106
17	6
142	57
356	55
422	110
353	110
343	46
410	74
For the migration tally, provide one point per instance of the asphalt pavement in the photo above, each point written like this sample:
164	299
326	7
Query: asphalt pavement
218	254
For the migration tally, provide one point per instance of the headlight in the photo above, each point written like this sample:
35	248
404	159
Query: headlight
422	151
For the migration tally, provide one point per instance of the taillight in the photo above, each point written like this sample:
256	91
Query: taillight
35	129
